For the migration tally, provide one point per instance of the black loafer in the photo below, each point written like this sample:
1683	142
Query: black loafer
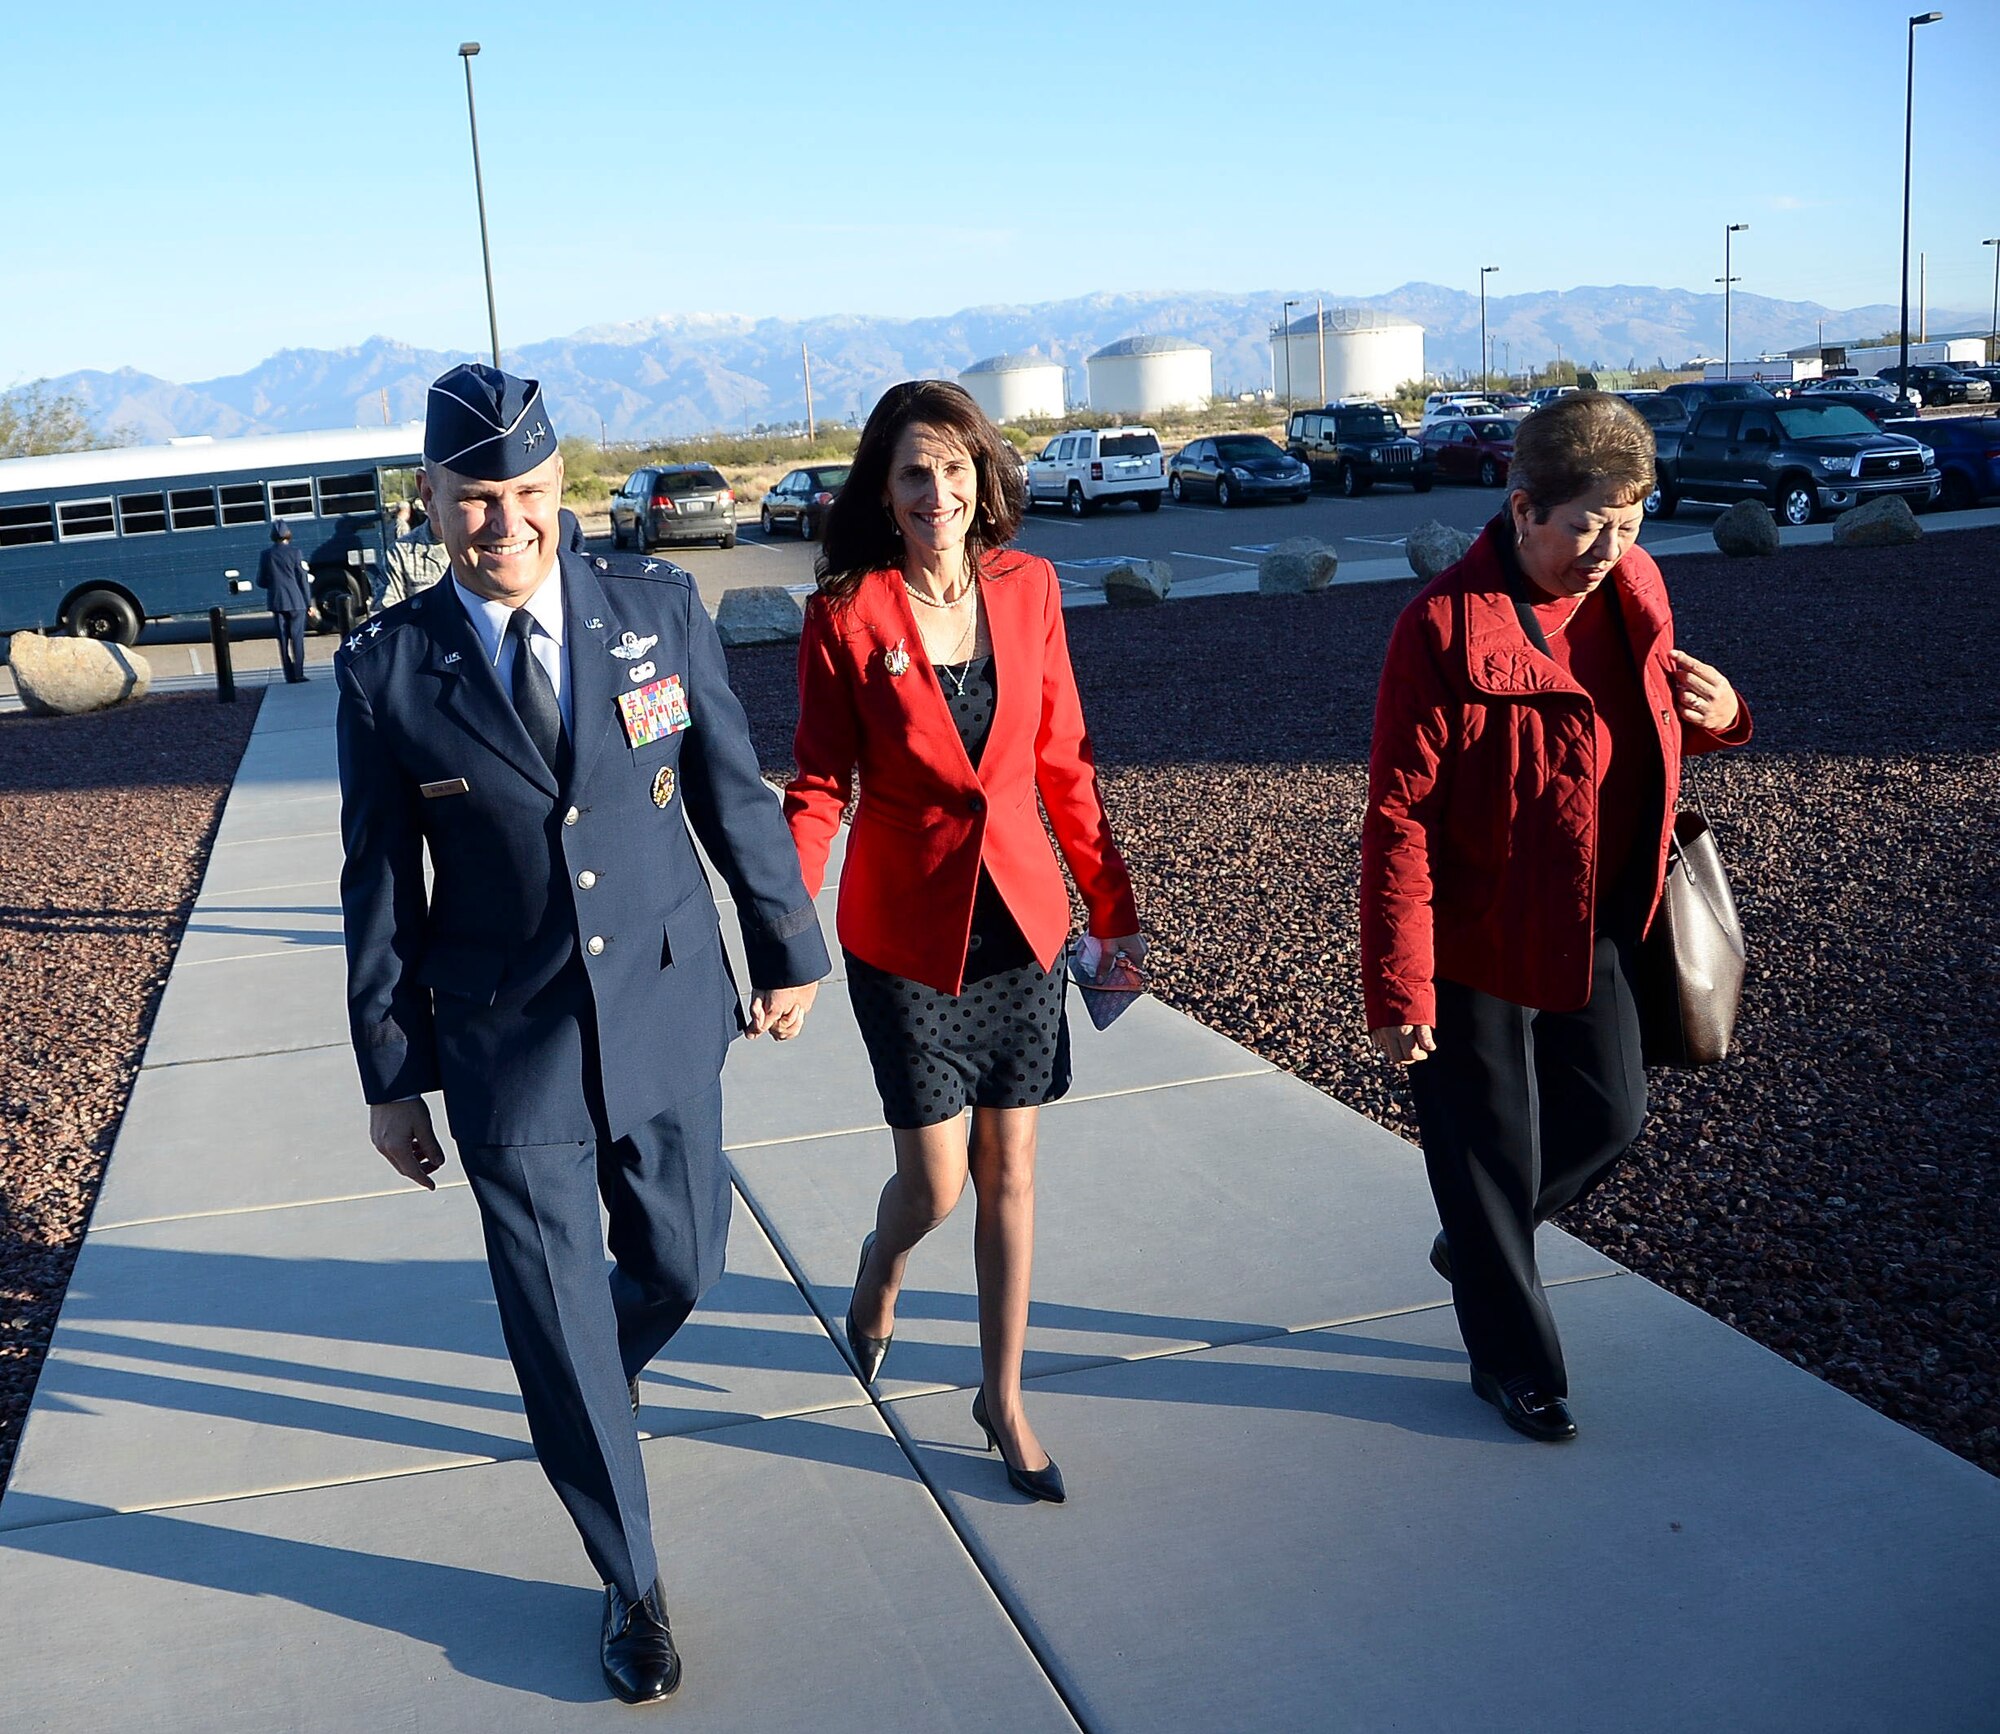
1526	1408
641	1664
1441	1256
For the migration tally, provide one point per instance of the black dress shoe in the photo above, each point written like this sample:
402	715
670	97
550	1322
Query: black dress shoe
868	1352
1441	1256
641	1664
1045	1483
632	1385
1526	1408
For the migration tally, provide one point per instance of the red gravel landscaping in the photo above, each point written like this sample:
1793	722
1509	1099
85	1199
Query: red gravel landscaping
105	824
1831	1191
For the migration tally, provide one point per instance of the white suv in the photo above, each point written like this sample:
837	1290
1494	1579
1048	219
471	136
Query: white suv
1083	470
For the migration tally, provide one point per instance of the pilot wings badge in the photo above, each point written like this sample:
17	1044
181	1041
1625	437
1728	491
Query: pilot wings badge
632	645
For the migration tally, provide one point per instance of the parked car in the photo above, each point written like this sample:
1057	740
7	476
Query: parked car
1356	445
673	503
1938	383
1801	458
1092	467
1549	393
1446	399
1232	468
1659	409
1968	456
801	498
1874	398
1464	406
1694	393
1471	449
1512	403
1985	371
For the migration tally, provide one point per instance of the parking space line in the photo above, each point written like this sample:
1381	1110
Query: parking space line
1219	559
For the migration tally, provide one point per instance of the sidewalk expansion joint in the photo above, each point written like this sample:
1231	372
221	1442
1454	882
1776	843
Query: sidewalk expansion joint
281	1204
332	942
250	1054
259	842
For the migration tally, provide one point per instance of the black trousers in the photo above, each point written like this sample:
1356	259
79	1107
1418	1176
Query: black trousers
290	628
578	1330
1522	1113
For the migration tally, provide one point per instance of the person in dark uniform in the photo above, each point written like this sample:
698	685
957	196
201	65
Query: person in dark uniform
933	662
549	729
283	573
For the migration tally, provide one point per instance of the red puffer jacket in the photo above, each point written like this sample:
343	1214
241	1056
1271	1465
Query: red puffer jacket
1479	848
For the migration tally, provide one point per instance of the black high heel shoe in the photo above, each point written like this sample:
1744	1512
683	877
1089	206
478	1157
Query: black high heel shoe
1045	1483
868	1352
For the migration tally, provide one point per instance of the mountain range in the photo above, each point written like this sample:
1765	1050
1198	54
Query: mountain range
683	373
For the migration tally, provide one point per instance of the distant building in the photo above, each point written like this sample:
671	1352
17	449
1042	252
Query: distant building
1143	376
1017	387
1368	354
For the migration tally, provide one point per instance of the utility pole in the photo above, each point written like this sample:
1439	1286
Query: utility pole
1729	233
1320	328
466	50
385	406
1485	354
1285	319
1909	107
1993	333
1923	298
805	355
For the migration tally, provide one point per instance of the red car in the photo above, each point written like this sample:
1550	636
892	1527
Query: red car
1471	449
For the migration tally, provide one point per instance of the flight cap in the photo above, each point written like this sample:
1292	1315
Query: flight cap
486	425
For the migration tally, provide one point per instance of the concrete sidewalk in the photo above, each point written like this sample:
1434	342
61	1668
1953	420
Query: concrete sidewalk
276	1475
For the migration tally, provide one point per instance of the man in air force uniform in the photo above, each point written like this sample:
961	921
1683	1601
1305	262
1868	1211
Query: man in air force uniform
549	726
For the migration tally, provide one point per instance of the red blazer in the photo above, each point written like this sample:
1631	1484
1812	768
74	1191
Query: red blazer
1479	846
928	820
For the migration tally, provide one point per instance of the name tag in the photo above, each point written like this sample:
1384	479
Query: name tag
656	709
450	786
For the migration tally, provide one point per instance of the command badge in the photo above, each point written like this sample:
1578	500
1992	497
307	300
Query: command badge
663	787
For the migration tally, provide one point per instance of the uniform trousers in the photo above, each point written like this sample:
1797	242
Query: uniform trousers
578	1331
1522	1112
290	629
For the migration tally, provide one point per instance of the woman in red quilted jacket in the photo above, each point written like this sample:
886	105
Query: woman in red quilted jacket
1529	729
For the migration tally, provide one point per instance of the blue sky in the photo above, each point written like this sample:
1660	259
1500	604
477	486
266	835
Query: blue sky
229	180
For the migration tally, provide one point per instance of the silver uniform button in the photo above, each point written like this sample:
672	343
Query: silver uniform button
586	879
593	945
571	817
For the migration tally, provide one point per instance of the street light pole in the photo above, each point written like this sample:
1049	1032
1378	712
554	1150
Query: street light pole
466	50
1285	324
1993	333
1909	104
1485	359
1728	279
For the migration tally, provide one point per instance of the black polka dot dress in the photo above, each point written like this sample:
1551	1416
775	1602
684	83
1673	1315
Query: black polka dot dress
1003	1042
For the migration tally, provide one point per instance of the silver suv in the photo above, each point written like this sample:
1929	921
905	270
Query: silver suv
1083	470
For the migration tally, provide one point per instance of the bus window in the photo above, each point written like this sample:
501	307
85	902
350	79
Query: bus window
22	525
193	508
292	499
343	494
82	519
142	514
243	502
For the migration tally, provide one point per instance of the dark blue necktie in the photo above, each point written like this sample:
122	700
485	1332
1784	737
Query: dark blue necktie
535	697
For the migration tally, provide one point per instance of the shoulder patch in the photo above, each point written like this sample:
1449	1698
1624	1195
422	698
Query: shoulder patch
640	566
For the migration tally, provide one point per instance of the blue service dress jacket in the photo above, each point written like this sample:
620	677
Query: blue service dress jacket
281	569
562	974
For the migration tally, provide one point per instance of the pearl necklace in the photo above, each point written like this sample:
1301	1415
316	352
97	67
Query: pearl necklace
965	639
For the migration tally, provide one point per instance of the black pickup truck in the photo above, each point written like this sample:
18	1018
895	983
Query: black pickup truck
1801	458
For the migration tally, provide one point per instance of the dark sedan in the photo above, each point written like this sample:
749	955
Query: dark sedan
1471	449
1234	467
800	500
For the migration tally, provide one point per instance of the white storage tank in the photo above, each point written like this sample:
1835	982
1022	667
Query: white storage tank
1142	376
1017	387
1368	354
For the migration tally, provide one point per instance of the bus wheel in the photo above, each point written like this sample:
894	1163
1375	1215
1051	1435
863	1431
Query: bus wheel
339	608
105	615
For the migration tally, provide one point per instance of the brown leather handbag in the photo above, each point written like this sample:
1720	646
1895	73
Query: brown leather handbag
1689	979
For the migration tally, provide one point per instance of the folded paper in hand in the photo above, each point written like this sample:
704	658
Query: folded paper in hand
1109	980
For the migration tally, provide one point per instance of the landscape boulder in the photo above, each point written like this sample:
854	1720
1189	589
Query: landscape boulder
1295	566
68	676
763	614
1884	523
1137	582
1432	547
1746	529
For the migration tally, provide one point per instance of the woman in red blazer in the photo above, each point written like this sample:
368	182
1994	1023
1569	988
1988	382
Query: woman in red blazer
933	665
